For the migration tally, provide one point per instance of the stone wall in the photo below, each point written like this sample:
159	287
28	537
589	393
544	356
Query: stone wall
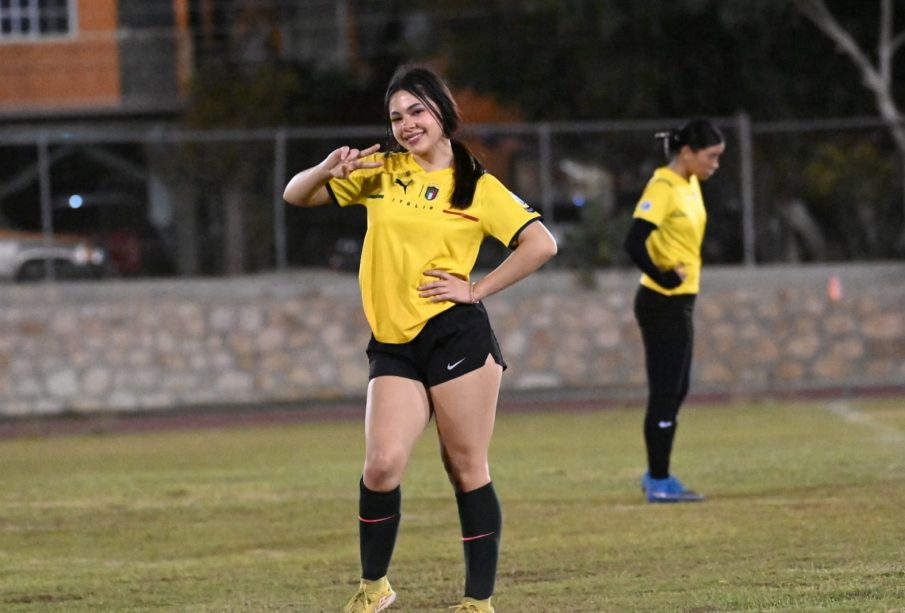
139	345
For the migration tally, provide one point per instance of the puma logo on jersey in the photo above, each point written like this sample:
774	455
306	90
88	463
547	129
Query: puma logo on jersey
405	186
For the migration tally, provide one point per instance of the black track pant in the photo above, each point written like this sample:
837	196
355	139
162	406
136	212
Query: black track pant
668	333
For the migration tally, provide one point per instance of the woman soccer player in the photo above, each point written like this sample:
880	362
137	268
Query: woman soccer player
664	241
432	351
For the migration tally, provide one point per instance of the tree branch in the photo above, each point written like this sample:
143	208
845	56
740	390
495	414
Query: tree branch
884	52
820	16
877	79
896	43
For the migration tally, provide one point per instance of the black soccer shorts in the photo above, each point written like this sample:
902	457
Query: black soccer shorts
451	344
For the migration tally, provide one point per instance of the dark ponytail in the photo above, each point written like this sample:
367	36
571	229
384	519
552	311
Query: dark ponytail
430	89
466	172
697	134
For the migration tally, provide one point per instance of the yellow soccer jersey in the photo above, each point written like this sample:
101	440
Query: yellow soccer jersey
413	228
676	207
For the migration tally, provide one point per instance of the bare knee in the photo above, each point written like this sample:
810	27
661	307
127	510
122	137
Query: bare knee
466	471
383	469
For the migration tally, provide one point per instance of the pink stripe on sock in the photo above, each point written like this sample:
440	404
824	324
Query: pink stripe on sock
375	521
480	536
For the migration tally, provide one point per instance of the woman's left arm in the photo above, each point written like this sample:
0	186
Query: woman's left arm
534	247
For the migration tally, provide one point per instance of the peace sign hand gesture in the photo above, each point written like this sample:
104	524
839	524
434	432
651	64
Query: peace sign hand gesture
308	188
343	161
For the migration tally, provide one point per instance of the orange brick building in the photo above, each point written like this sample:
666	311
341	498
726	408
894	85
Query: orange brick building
78	55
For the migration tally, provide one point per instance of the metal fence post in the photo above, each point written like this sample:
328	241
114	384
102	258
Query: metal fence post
546	173
46	205
279	206
749	236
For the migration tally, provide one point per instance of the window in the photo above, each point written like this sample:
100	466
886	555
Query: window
30	19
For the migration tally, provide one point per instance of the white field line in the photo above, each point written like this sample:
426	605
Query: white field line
847	412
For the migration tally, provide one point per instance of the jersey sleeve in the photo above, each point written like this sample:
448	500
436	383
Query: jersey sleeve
655	203
355	188
505	214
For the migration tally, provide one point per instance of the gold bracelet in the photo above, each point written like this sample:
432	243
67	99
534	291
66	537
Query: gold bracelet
471	292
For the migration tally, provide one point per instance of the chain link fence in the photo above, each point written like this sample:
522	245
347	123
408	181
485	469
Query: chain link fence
127	202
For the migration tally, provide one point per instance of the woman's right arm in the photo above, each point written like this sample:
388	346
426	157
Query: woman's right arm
636	247
308	188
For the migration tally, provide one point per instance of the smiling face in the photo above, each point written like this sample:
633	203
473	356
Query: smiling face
701	163
415	127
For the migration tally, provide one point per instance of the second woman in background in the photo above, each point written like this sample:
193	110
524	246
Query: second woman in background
664	241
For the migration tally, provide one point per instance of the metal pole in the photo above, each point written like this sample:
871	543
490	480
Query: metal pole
749	240
46	206
343	45
279	205
546	173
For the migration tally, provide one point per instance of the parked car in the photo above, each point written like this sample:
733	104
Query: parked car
24	256
134	247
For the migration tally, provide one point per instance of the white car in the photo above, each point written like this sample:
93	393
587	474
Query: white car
24	256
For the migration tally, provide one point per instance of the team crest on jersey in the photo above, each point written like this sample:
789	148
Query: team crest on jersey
645	206
431	192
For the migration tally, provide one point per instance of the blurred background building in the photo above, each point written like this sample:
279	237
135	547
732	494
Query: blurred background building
93	59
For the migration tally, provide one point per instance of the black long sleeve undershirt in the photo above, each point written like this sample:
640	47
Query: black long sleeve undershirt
636	247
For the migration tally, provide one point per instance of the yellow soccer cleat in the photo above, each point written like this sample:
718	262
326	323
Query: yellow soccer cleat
470	605
372	596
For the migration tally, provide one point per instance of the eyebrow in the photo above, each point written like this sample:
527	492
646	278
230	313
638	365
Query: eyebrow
409	108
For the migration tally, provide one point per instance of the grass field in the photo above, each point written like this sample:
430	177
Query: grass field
804	513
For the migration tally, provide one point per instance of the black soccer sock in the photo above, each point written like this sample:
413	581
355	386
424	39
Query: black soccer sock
658	437
378	524
481	520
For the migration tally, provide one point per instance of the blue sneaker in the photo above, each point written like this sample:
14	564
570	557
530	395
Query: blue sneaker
667	490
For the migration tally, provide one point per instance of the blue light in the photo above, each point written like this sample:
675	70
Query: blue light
579	200
75	201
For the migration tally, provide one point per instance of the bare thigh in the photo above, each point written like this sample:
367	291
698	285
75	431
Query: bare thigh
398	410
465	410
